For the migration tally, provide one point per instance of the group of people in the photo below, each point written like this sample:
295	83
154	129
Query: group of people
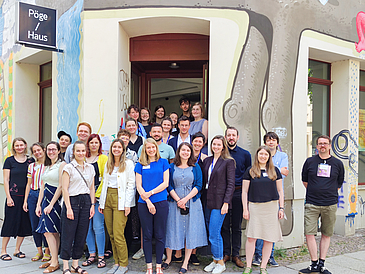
168	187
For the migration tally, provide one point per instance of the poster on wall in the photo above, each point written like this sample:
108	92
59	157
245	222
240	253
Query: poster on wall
36	26
361	129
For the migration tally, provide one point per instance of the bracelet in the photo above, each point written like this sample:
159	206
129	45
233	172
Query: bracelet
281	208
93	204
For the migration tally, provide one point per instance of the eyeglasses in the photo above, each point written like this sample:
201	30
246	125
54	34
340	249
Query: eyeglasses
52	149
323	144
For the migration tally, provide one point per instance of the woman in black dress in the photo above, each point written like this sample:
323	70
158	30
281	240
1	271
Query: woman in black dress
135	141
16	220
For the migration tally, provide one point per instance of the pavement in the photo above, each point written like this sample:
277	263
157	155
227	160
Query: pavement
351	263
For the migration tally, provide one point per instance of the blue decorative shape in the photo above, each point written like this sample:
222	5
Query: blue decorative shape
68	66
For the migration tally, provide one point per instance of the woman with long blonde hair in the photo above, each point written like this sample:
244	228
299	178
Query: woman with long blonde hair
152	179
116	199
263	206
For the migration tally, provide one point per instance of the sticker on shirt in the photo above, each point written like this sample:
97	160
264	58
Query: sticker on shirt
264	174
324	170
146	167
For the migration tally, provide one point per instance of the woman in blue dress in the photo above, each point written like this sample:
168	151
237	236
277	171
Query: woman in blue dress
48	206
185	221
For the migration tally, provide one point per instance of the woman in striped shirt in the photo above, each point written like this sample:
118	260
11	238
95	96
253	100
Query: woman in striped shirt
35	171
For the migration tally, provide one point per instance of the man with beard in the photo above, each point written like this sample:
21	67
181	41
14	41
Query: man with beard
166	151
233	219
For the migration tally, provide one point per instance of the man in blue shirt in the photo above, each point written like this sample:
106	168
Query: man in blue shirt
166	151
280	160
231	229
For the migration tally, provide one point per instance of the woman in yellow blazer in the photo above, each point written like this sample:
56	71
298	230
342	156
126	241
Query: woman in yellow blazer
96	231
116	199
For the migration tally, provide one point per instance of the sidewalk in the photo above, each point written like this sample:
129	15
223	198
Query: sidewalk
351	263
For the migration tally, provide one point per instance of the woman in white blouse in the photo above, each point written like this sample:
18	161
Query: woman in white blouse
116	199
79	201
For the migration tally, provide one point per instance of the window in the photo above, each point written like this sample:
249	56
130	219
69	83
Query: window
45	103
361	166
318	101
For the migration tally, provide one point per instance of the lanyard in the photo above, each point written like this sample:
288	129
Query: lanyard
197	161
167	139
212	166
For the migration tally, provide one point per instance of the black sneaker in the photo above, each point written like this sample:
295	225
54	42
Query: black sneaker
194	259
272	262
324	270
176	260
257	260
310	269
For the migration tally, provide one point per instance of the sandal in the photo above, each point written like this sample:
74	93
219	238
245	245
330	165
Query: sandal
89	261
165	266
66	271
5	257
101	262
46	257
108	254
37	257
149	271
20	255
77	270
51	268
159	270
248	270
44	265
183	271
263	271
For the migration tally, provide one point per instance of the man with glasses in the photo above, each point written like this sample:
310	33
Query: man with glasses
322	176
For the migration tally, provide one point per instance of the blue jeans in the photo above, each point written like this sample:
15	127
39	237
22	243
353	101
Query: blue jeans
258	248
215	238
96	232
34	219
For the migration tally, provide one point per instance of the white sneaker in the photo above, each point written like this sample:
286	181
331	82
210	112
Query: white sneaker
210	267
139	254
113	269
121	270
219	269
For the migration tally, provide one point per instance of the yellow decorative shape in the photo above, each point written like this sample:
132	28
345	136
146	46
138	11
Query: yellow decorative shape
10	70
11	84
353	199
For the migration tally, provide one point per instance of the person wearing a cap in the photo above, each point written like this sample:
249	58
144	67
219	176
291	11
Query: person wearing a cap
65	140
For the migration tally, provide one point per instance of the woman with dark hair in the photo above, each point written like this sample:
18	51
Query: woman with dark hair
166	124
263	206
152	179
219	182
145	120
198	141
79	206
174	118
116	200
48	205
16	220
135	141
159	114
185	221
96	231
35	171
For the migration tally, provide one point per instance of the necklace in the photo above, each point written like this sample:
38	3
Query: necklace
92	160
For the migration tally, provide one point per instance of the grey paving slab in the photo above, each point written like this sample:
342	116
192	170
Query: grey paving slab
348	261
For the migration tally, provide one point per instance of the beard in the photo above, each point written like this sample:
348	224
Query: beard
157	139
231	145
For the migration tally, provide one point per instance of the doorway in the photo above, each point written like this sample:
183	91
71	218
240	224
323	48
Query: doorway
166	67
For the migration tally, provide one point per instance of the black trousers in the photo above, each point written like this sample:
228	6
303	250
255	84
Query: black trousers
231	229
74	232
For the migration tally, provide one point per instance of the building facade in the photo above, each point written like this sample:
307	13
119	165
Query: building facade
293	67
